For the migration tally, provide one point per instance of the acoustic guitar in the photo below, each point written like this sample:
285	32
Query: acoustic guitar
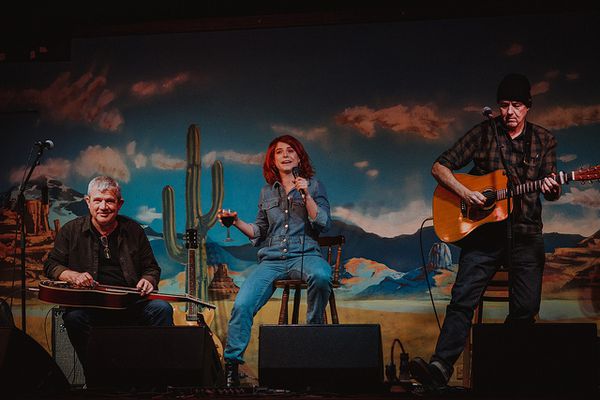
104	296
453	219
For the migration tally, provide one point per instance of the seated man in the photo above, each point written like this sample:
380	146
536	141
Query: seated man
109	249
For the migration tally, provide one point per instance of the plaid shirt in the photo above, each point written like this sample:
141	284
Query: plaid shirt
479	145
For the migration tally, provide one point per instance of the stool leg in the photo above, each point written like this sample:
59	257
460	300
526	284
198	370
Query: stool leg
467	361
296	310
283	310
479	312
333	307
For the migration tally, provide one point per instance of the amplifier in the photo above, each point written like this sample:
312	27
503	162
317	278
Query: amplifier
546	358
63	352
334	358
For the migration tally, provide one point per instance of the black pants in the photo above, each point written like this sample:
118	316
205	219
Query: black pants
79	321
480	257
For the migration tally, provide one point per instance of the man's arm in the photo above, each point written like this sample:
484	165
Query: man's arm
550	188
149	268
446	178
57	263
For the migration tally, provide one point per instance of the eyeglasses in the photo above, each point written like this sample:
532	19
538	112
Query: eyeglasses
104	241
516	104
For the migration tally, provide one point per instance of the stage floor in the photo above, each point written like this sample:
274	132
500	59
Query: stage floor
387	393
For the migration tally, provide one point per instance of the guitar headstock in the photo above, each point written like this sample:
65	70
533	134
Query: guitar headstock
587	174
191	238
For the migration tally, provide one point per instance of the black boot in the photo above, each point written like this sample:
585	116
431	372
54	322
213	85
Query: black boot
431	375
232	376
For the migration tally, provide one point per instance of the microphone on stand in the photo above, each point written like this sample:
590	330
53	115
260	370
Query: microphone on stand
46	144
487	112
296	173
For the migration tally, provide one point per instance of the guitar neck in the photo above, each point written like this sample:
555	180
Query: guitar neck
192	288
534	186
192	301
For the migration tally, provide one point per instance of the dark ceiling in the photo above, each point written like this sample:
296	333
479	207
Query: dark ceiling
52	25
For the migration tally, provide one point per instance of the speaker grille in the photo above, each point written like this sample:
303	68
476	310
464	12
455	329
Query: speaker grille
63	352
337	358
152	358
541	358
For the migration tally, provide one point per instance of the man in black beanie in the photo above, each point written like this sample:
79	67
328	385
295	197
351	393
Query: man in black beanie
529	152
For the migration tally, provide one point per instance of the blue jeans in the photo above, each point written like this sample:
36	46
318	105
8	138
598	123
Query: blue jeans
479	260
258	289
79	321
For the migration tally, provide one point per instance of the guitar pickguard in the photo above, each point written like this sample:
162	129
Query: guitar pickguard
478	213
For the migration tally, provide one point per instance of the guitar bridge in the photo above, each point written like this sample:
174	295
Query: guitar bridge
463	208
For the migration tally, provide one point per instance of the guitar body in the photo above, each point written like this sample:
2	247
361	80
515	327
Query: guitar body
102	296
64	294
453	220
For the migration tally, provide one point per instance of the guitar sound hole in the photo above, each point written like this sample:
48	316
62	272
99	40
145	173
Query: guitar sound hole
479	213
490	197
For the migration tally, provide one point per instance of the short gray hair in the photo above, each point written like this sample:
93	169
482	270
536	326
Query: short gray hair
104	183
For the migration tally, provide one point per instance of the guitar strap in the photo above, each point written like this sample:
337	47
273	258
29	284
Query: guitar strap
527	148
524	164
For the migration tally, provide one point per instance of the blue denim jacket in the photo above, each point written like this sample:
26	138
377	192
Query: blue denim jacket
282	218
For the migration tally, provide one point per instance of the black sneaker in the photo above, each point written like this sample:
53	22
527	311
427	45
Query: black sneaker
232	376
429	375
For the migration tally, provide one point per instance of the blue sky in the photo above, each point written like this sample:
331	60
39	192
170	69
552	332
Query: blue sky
373	103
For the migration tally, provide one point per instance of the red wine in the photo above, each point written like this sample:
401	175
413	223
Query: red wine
227	220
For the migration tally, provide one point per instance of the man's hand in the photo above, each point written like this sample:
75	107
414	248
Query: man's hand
550	187
144	286
473	198
81	279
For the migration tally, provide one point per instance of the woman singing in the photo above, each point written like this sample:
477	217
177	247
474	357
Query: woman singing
292	211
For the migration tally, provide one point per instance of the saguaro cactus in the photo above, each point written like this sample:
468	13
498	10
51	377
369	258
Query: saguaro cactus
194	217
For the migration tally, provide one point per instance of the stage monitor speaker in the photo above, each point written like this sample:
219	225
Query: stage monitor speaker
537	359
152	358
63	351
338	358
26	369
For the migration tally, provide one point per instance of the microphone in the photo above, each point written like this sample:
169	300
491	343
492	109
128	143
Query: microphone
487	112
296	173
46	144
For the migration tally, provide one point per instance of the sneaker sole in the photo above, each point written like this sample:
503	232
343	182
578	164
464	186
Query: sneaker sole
419	370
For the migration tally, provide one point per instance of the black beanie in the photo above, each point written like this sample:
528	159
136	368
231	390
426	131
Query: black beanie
514	87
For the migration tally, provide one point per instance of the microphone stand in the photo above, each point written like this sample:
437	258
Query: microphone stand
298	294
509	195
21	212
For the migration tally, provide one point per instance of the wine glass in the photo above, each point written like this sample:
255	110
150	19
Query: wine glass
227	219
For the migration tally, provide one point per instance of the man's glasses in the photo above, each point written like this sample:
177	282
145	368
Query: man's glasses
104	241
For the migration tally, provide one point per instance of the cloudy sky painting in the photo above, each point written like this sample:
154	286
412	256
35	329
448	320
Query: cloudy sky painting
373	103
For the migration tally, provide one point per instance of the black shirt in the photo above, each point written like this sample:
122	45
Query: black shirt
109	268
479	146
77	248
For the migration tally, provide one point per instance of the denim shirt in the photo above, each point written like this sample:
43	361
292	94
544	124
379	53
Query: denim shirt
281	217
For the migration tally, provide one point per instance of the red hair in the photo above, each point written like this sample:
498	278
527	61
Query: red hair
270	171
